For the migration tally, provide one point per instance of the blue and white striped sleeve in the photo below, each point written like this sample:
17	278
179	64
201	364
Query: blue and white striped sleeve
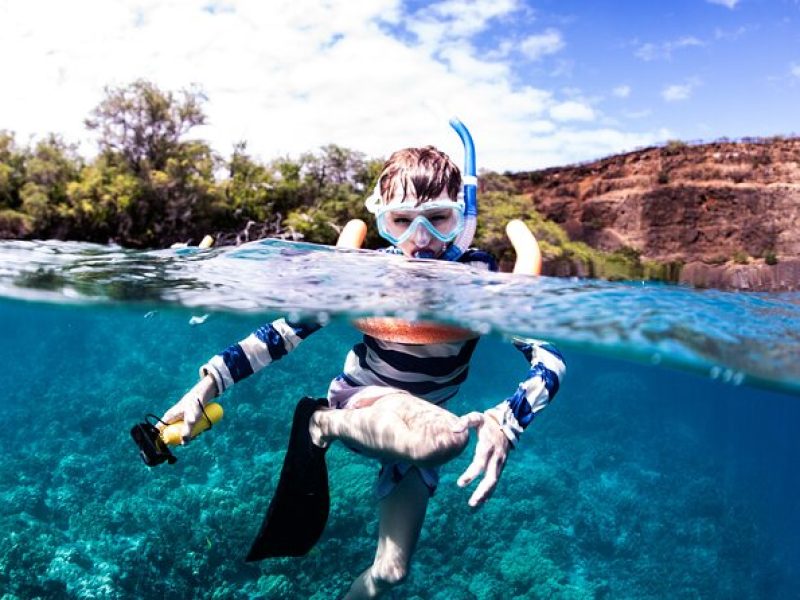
265	345
534	393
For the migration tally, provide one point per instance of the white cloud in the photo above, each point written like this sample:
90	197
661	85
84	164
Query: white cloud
291	75
563	68
572	111
687	41
622	91
593	142
534	47
794	69
727	3
730	35
455	19
649	51
639	114
677	92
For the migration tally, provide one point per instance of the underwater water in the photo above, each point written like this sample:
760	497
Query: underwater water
667	466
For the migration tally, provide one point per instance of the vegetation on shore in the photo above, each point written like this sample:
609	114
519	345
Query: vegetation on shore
152	185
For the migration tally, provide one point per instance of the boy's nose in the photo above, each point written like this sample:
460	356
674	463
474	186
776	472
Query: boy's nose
422	236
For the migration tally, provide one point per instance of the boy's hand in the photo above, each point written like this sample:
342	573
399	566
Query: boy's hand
189	408
490	455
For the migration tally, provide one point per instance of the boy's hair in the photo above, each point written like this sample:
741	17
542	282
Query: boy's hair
419	174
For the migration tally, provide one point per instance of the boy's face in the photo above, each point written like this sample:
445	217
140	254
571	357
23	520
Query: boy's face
421	243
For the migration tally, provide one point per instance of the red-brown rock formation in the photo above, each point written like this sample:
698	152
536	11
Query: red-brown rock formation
729	210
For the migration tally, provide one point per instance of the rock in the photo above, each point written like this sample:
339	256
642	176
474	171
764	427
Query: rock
783	276
708	206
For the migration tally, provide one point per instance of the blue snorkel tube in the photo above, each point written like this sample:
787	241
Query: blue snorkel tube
470	181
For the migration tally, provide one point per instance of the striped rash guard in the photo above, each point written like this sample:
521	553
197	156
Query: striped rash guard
433	372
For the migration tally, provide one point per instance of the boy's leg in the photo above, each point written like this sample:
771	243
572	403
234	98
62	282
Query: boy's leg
402	513
396	426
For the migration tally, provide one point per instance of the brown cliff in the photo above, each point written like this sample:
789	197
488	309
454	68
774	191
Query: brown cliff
728	211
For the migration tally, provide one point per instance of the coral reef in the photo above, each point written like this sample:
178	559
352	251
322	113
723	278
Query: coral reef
624	488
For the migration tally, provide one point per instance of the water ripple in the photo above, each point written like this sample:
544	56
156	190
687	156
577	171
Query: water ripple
751	338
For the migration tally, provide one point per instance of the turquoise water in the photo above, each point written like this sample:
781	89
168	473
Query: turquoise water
666	466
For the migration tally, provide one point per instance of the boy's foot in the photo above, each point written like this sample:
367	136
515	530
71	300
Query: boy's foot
315	430
299	508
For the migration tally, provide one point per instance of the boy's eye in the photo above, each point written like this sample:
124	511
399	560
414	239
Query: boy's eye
438	217
402	221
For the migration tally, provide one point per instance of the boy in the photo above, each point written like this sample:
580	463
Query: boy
386	403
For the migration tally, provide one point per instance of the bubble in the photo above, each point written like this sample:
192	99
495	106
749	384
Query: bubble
323	318
715	372
738	378
408	315
483	328
655	359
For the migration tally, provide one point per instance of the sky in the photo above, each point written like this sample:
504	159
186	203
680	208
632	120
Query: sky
539	83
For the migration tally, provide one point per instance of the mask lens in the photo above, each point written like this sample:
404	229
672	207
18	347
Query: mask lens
443	222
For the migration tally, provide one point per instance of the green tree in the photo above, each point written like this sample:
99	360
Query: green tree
331	188
12	171
49	169
145	125
249	186
104	202
142	132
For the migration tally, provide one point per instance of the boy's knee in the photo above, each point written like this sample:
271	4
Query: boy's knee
389	572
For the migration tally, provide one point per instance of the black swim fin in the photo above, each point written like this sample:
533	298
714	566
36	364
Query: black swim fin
299	509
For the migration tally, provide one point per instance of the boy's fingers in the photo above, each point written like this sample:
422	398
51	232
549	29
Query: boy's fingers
468	421
487	484
483	491
186	431
476	467
173	415
190	417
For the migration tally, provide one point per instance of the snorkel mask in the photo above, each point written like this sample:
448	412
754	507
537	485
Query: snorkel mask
445	220
398	222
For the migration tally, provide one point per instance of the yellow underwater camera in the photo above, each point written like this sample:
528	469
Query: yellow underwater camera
154	443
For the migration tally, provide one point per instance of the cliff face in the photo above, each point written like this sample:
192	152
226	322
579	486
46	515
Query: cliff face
729	211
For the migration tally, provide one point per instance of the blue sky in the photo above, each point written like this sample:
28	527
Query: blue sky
539	82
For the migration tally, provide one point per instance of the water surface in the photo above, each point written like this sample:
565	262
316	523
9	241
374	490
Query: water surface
666	467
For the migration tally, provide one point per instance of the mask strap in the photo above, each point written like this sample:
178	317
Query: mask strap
374	202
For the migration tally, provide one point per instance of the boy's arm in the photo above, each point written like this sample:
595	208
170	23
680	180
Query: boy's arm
266	344
547	364
547	369
499	427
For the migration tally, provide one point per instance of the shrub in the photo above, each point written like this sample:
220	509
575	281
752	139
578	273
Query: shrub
14	224
770	257
668	271
536	177
673	147
739	176
663	177
740	257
